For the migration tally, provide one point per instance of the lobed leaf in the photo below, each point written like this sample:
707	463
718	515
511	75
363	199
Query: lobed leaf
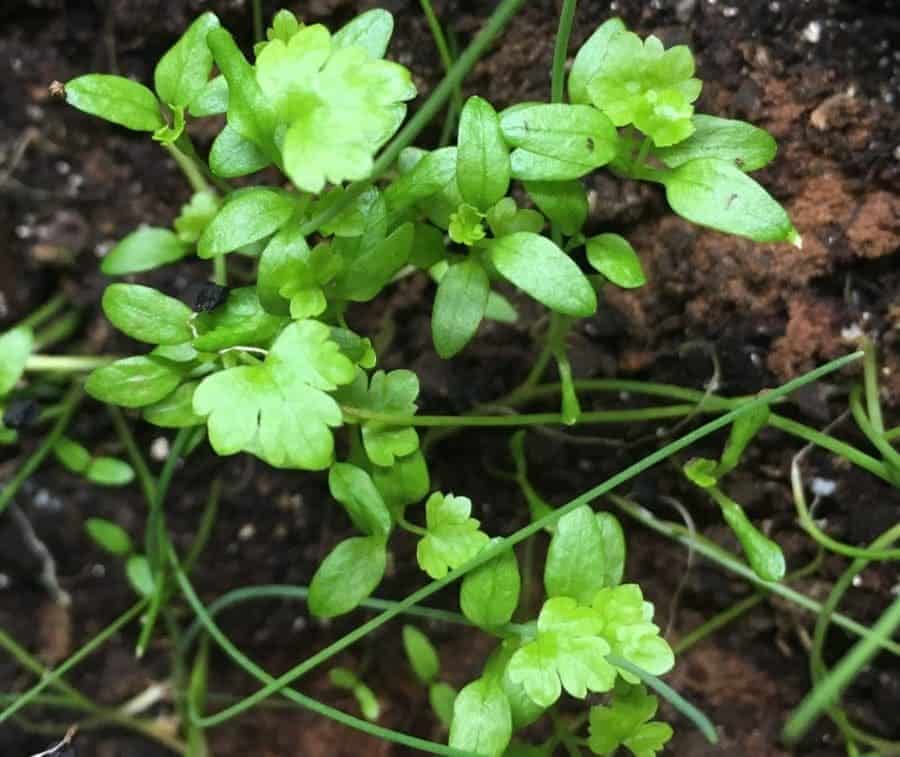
453	537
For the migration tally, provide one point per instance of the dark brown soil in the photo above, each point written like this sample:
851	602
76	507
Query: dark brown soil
822	75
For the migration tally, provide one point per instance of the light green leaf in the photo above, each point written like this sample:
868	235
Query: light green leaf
195	216
139	575
453	537
135	381
441	697
347	576
109	536
355	490
279	410
567	140
422	175
567	653
354	219
500	309
701	471
575	561
232	155
506	218
459	306
616	259
248	216
283	258
371	31
482	723
613	548
72	455
182	73
241	320
538	267
588	60
490	594
115	99
625	723
763	554
143	250
176	410
405	482
745	145
422	656
369	270
715	193
482	157
744	428
147	315
211	100
565	203
109	471
16	346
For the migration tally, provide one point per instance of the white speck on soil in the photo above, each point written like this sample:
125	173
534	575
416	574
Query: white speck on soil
813	32
247	532
823	487
160	448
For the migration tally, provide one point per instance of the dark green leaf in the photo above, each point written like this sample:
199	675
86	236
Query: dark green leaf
109	536
240	321
232	155
565	203
147	315
143	250
347	576
715	193
367	273
745	145
428	246
588	60
576	565
135	381
248	216
354	489
370	30
420	652
616	259
490	594
459	306
182	73
405	482
116	99
537	266
482	157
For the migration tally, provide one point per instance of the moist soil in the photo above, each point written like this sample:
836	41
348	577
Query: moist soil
821	75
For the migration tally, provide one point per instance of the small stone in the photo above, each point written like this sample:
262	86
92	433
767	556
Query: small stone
159	449
21	414
209	297
813	32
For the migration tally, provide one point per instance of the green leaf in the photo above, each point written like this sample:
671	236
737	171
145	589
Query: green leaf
405	482
365	697
575	561
625	723
427	247
506	218
195	216
500	309
422	656
250	113
355	490
745	145
109	536
589	59
538	267
285	254
347	576
16	346
109	471
139	575
482	723
763	554
490	594
232	155
613	548
441	697
565	203
72	455
715	193
358	349
143	250
466	225
482	157
115	99
241	320
559	141
182	73
616	259
453	537
626	625
354	219
567	653
147	315
391	393
702	472
459	306
370	270
176	410
135	381
428	174
211	100
248	216
744	428
371	31
280	410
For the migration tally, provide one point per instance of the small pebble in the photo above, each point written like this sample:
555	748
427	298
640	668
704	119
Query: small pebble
209	297
813	32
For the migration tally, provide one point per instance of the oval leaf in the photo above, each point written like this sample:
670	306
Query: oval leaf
249	216
482	722
575	561
135	381
459	306
588	60
490	594
745	145
371	31
15	347
616	259
347	576
354	489
147	315
143	250
116	99
182	73
231	155
537	266
176	410
482	158
421	654
565	203
108	536
613	538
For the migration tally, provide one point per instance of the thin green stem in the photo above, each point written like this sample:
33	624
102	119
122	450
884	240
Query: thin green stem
561	51
51	676
870	379
502	545
66	363
206	526
890	455
440	42
641	154
145	478
58	331
717	622
188	167
501	16
43	313
259	31
69	405
220	270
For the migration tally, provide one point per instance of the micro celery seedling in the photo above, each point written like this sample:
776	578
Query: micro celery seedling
272	369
